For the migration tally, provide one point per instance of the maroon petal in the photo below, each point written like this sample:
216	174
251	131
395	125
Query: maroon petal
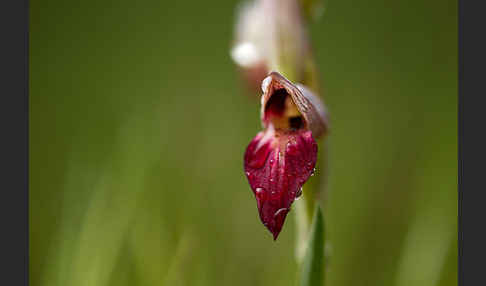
277	164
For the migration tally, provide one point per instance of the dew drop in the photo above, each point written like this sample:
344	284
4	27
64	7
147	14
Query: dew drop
279	211
259	193
313	172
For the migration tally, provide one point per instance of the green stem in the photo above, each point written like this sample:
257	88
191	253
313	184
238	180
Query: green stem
312	269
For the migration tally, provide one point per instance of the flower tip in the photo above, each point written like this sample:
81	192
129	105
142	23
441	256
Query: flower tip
275	235
275	224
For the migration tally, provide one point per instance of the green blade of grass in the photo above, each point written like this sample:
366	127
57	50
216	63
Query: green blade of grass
312	271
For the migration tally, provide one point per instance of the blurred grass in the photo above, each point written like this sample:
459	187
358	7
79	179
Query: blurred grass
138	126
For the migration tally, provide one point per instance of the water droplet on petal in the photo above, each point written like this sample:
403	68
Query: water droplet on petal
279	211
259	192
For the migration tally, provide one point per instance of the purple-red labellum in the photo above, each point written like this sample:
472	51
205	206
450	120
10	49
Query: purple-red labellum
277	164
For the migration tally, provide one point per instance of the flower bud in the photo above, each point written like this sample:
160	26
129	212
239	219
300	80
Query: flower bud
270	35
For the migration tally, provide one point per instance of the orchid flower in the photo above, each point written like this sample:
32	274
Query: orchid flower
282	157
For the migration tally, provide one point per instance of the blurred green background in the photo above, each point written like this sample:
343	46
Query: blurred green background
138	124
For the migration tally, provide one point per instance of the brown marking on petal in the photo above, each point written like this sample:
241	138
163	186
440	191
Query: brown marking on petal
299	101
289	158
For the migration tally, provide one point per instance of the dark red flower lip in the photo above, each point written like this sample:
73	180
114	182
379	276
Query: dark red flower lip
277	164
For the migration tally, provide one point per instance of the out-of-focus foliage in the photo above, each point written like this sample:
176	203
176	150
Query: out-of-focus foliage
138	126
